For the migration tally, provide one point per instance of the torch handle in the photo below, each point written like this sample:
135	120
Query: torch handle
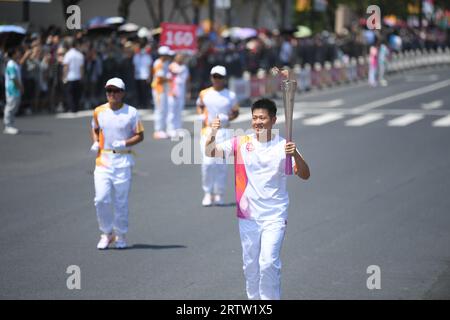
288	168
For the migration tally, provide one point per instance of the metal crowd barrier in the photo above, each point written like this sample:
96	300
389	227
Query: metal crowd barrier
334	73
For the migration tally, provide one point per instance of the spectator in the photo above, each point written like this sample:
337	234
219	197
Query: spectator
13	90
142	62
73	72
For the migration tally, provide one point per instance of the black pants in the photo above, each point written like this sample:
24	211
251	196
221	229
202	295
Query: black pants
73	95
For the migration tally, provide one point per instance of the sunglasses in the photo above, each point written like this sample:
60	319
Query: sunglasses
218	76
113	90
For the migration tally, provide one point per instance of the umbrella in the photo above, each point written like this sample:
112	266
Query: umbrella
115	20
12	29
129	27
144	33
11	35
104	22
302	32
241	33
97	22
100	25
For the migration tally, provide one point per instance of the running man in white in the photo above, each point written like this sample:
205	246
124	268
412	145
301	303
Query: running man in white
181	79
215	101
115	128
261	196
162	90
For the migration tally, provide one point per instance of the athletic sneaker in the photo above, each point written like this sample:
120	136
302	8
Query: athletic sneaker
172	134
121	242
11	130
105	240
218	200
207	200
160	135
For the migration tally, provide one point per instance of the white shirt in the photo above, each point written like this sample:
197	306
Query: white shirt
74	59
181	75
260	179
114	125
216	103
142	63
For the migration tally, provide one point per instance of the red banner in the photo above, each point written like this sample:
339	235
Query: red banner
179	37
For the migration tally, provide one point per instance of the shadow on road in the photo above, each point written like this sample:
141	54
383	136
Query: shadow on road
154	246
230	204
34	133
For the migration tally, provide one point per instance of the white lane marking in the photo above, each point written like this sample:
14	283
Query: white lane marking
402	96
296	115
442	122
420	78
320	104
405	120
322	119
363	120
75	115
90	113
432	105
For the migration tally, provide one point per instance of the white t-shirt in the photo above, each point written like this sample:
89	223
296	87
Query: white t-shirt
75	61
260	179
216	103
115	125
181	75
142	63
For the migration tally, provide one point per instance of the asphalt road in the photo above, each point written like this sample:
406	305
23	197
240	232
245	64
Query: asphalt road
378	195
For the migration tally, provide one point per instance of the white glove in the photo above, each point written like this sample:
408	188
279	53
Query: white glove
95	146
118	144
201	117
224	119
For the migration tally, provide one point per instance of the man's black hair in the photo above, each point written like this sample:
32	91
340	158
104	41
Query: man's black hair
265	104
13	50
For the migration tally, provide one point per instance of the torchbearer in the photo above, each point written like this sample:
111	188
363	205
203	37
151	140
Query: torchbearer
261	195
115	128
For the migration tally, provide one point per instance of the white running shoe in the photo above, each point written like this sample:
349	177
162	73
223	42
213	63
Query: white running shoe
207	200
105	240
157	135
121	242
172	134
11	130
218	200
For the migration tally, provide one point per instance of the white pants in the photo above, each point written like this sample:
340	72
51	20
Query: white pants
372	75
163	102
175	113
112	186
214	170
11	107
261	245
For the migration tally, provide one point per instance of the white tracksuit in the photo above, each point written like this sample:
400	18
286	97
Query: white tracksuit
162	94
215	103
181	75
262	203
112	175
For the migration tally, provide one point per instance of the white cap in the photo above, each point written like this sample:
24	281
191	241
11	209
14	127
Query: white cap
219	70
164	51
171	53
116	82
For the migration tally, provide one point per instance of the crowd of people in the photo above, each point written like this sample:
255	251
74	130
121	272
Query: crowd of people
65	73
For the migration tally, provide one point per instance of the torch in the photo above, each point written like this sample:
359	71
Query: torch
288	87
